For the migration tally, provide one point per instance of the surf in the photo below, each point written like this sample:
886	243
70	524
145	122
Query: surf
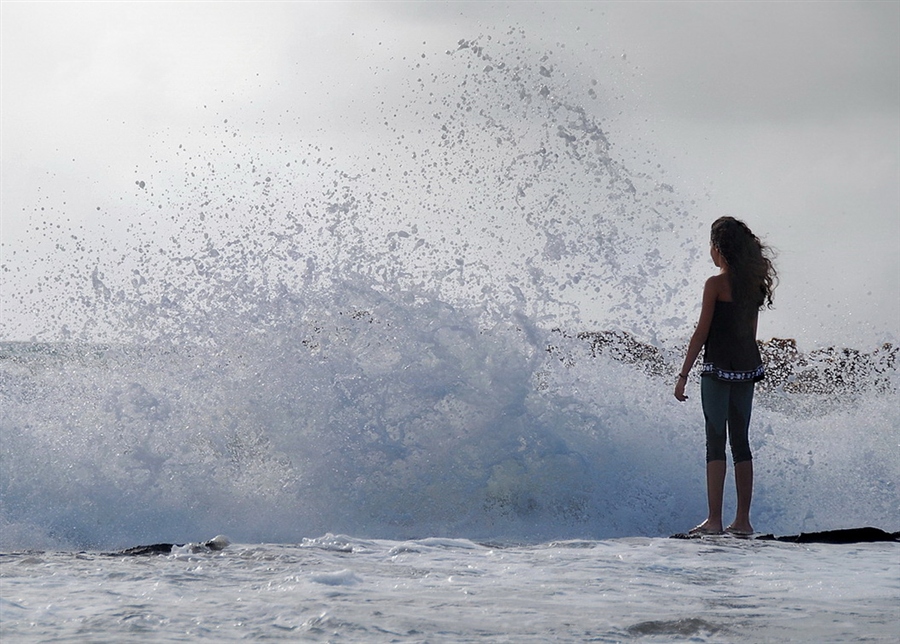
464	330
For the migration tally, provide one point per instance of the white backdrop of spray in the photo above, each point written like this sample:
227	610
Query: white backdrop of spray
365	343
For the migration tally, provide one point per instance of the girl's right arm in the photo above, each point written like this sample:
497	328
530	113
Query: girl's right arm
710	295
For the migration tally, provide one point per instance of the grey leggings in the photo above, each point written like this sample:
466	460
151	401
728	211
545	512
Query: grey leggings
726	403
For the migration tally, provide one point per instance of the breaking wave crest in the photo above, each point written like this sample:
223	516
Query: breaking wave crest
465	330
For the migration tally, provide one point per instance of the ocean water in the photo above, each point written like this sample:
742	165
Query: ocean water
402	343
341	589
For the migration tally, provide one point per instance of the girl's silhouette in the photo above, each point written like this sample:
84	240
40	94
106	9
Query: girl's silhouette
731	362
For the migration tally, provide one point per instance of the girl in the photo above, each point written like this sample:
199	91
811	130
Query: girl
731	362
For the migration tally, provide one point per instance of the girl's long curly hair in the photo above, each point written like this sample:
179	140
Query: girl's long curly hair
752	273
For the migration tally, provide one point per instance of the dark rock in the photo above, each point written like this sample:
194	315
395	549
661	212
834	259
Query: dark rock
849	535
215	544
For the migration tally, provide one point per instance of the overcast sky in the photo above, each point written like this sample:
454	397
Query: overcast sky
785	114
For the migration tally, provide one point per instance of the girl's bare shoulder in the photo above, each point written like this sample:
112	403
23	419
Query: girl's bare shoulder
719	286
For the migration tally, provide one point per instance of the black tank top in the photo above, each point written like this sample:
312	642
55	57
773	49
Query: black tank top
731	352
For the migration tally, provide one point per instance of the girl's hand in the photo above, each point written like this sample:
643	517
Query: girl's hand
679	389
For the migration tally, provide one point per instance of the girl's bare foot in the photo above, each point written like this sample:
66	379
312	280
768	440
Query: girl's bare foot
740	530
706	527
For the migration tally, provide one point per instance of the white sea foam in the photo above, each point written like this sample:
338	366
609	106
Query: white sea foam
716	590
458	429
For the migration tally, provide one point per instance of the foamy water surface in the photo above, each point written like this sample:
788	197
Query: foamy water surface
340	589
